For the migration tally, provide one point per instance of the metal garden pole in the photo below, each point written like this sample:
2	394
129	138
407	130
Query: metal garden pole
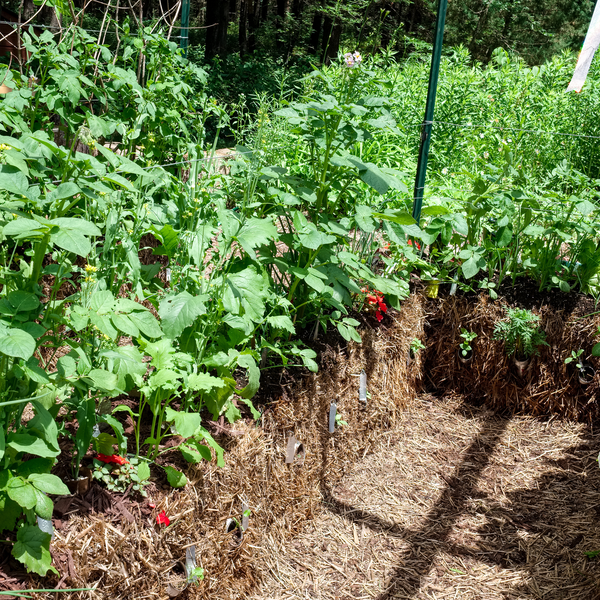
427	124
185	24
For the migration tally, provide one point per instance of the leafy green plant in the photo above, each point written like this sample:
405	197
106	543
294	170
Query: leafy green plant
465	345
520	333
119	476
576	358
415	346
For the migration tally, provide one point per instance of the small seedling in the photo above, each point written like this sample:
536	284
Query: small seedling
338	420
575	357
468	337
416	345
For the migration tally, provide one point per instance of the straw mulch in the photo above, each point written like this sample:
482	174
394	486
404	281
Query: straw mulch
548	387
125	554
458	503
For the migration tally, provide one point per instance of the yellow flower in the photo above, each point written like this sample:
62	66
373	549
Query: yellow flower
90	269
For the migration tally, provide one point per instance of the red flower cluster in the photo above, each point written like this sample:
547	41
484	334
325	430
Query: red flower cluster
162	519
376	299
416	244
113	459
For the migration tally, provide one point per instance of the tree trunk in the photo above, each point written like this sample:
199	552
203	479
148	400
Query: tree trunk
264	12
242	35
281	12
317	25
253	23
333	47
217	19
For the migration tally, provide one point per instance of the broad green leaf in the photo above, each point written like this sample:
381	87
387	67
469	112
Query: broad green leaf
190	453
470	267
44	507
396	216
72	241
22	492
180	311
205	435
32	548
203	382
246	361
10	512
282	322
13	180
79	225
245	293
186	424
23	301
254	233
102	379
124	324
364	218
143	471
146	322
175	478
51	484
17	343
25	228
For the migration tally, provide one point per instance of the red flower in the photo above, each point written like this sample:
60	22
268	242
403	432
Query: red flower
371	299
112	459
162	519
382	305
379	316
410	243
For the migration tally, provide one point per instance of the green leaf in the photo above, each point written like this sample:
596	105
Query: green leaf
32	548
10	512
102	379
13	180
23	442
124	324
22	492
470	267
396	216
186	424
43	506
143	471
23	301
190	453
72	241
203	382
17	343
180	311
175	477
146	322
254	233
246	361
245	293
205	435
282	322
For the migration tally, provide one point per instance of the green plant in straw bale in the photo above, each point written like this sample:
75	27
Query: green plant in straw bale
465	345
575	358
520	333
416	345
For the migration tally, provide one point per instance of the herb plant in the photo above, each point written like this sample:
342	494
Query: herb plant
520	333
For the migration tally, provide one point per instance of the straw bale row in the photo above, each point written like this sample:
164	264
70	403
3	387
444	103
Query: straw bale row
135	558
547	387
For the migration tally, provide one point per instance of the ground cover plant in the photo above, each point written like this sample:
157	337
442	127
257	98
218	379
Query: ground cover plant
132	267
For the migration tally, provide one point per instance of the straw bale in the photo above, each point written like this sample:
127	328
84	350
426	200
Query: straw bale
548	387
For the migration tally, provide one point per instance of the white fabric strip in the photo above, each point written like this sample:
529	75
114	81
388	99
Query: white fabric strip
590	45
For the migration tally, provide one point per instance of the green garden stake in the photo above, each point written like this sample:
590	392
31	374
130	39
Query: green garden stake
185	24
427	124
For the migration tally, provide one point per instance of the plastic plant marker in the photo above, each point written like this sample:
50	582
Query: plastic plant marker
332	413
46	526
453	289
190	563
362	389
245	516
290	450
